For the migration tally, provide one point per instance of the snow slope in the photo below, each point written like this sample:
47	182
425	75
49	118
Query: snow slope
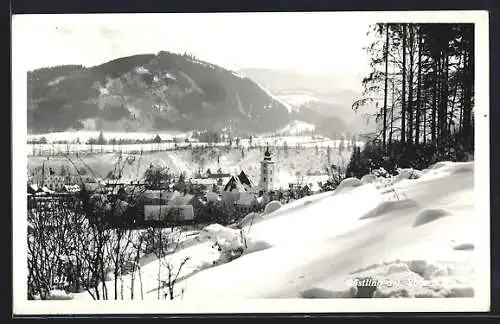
421	244
296	126
297	99
276	98
318	246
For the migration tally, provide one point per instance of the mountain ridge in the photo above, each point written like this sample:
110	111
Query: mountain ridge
154	92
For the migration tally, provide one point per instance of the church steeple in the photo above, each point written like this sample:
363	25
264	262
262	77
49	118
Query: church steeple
266	182
267	154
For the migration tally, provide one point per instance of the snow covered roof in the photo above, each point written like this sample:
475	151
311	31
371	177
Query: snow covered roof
72	188
180	200
160	194
201	181
47	190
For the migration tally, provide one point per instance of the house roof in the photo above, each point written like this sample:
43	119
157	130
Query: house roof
160	194
234	184
181	200
218	175
209	181
33	188
244	179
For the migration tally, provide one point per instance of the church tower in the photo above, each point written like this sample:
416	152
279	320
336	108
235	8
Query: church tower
266	172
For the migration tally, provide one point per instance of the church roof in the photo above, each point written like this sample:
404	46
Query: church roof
267	155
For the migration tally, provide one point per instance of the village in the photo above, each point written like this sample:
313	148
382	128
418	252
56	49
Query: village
163	199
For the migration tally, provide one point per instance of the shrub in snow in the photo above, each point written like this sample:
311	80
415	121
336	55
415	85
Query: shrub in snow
348	184
429	215
380	172
231	243
368	178
408	174
272	206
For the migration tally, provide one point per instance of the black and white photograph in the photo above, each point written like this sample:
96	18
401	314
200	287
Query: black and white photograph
251	162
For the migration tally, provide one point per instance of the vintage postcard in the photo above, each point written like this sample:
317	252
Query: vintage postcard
251	162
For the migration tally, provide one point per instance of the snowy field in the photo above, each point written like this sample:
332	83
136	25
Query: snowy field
415	238
84	136
262	140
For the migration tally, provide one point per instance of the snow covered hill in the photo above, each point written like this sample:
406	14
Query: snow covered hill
298	162
321	246
412	237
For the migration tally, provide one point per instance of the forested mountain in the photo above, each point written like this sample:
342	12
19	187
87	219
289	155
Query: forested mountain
150	92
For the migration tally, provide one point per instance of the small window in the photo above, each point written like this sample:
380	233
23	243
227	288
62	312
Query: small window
264	179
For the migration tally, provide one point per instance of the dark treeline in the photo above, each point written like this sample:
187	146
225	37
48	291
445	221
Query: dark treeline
422	85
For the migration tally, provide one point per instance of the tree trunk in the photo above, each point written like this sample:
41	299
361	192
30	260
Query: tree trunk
385	86
434	104
444	100
410	86
419	90
403	103
392	117
468	89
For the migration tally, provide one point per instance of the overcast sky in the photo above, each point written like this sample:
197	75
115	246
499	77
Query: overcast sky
324	42
330	43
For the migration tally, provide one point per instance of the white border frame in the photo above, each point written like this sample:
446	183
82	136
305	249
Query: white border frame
481	301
